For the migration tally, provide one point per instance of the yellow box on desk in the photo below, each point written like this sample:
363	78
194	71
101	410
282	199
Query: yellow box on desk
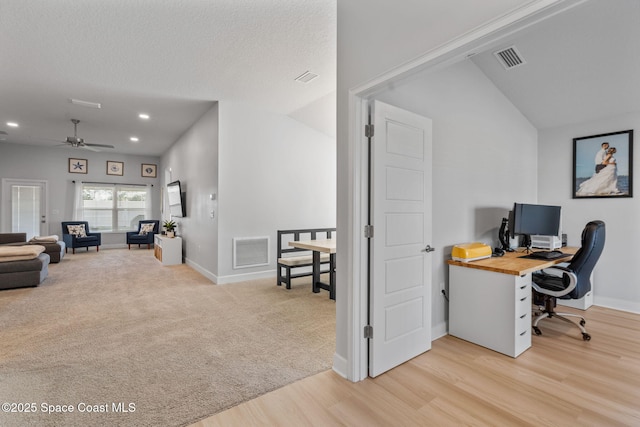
466	252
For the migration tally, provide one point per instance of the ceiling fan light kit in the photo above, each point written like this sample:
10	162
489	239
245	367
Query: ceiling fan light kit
77	142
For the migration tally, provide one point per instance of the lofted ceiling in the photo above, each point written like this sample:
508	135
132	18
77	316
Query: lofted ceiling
171	59
581	65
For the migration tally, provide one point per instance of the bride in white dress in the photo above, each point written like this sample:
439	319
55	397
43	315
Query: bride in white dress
604	182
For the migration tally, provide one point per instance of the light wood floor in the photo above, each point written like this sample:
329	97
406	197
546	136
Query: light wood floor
560	381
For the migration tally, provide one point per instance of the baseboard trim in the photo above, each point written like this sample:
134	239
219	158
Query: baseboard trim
617	304
223	280
235	278
116	246
340	365
438	331
206	273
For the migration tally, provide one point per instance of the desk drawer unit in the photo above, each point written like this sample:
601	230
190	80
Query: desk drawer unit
490	309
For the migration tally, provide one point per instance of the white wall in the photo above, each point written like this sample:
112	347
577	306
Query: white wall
617	274
484	160
51	164
374	38
267	172
319	115
193	160
275	173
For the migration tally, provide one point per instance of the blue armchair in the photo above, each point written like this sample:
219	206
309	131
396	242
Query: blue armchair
145	233
76	234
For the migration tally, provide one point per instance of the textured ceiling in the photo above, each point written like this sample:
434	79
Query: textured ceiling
169	58
173	58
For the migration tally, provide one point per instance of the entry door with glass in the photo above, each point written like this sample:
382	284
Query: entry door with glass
24	207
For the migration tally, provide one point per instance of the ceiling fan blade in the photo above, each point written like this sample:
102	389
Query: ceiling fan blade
76	142
86	147
99	145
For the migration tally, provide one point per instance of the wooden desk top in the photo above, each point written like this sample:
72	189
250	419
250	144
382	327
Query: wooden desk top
511	263
321	245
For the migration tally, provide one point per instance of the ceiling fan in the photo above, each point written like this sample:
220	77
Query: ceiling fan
77	142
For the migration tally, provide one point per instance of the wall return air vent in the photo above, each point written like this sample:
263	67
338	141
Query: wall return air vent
250	251
509	57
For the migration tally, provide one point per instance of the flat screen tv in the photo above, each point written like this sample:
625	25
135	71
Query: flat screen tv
177	206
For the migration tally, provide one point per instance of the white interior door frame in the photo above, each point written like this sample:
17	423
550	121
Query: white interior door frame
359	97
5	205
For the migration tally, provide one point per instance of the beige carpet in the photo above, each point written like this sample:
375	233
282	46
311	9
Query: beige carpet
116	327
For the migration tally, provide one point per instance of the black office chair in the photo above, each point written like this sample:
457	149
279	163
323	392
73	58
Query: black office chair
574	281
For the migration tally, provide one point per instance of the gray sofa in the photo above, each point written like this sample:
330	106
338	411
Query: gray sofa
55	250
22	274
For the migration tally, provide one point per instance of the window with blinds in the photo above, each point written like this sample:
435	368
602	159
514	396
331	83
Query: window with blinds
114	207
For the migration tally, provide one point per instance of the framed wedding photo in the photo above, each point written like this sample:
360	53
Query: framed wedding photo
149	170
603	165
115	168
78	165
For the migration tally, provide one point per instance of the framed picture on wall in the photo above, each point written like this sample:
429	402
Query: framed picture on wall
115	168
149	170
78	165
603	165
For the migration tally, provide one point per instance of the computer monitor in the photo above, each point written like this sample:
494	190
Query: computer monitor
526	219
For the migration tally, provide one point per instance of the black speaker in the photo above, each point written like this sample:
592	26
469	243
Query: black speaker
564	240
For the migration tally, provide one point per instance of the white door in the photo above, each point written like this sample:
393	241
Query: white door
400	283
24	207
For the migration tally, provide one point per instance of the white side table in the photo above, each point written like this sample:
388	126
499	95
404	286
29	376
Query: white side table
168	250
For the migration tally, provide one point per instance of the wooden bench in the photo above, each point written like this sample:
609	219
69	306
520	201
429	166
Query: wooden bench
290	258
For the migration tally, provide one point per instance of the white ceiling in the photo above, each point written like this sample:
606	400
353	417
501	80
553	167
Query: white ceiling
581	65
173	58
169	58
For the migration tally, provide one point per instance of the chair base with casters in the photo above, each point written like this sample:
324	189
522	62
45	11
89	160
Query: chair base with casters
570	282
548	312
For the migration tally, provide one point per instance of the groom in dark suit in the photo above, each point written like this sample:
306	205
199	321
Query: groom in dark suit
600	156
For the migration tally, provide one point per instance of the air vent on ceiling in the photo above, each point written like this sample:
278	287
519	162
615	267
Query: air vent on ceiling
306	77
87	104
509	57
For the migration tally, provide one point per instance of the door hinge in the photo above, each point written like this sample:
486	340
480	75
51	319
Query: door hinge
368	231
368	131
368	332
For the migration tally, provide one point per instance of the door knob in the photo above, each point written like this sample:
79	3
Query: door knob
428	249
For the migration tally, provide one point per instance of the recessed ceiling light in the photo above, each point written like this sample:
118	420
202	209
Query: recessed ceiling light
134	139
12	124
143	116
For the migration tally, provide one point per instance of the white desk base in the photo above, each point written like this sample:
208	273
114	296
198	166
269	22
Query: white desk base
490	309
581	304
